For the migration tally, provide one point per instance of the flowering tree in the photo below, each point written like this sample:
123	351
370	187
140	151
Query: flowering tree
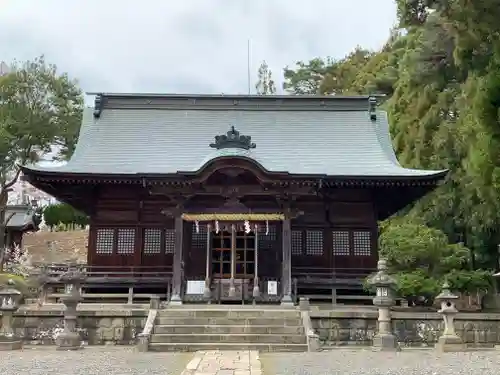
39	109
18	262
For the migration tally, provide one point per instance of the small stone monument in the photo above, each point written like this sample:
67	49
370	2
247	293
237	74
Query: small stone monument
385	284
70	339
10	299
41	277
449	341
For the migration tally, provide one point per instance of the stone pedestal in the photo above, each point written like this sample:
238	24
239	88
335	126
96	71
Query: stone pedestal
287	301
8	339
256	289
304	304
142	343
207	293
10	298
448	344
384	339
70	339
232	288
449	341
175	300
10	343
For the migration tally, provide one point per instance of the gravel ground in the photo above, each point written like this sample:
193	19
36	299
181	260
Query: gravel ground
91	361
366	362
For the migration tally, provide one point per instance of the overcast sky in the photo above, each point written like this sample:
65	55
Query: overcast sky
188	46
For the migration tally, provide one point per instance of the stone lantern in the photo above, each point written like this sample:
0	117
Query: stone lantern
385	285
10	299
449	341
69	339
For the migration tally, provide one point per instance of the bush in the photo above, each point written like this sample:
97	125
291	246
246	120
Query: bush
421	259
63	213
21	283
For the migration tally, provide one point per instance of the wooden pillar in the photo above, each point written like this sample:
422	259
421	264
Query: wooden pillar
232	288
207	292
177	266
286	276
256	290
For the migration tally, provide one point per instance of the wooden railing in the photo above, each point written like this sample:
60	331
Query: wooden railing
340	275
134	282
309	279
102	282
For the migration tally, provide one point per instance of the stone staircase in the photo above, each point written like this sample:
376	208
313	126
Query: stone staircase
264	329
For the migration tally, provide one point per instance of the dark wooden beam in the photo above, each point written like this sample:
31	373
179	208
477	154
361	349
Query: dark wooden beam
238	191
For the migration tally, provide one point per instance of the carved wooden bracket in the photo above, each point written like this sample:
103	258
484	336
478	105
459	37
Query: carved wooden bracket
179	201
286	203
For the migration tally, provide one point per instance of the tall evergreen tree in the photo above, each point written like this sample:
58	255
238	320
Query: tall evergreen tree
265	84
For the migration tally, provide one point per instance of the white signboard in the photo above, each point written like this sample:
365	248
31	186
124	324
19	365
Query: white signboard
195	287
272	288
382	292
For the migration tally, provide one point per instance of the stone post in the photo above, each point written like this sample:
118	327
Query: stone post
70	339
449	341
384	340
41	277
10	299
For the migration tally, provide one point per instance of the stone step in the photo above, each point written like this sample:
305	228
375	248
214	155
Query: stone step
193	347
229	338
228	329
230	314
257	321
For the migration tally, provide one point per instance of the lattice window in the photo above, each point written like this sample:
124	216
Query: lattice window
126	241
199	238
105	239
297	242
271	231
362	245
170	241
314	242
266	241
152	241
340	244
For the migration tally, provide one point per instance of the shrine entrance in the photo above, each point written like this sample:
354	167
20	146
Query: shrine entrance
232	259
230	251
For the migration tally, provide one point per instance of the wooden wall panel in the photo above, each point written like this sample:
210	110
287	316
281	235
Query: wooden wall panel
109	216
122	206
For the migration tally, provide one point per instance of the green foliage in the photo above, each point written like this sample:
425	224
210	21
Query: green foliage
421	259
265	84
63	213
21	284
440	70
39	109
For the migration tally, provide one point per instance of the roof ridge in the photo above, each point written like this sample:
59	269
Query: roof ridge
233	102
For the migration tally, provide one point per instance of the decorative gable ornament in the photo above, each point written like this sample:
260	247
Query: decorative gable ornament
233	139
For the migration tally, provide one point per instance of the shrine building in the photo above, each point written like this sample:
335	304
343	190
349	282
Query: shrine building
235	197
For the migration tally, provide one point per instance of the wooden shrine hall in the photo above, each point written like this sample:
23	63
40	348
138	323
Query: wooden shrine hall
234	198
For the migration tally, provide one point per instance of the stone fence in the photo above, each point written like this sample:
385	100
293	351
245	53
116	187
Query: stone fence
97	325
357	326
120	324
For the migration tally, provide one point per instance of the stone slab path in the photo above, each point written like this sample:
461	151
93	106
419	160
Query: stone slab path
217	362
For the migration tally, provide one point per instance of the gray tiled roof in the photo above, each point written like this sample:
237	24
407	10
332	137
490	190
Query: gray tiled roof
141	140
20	216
